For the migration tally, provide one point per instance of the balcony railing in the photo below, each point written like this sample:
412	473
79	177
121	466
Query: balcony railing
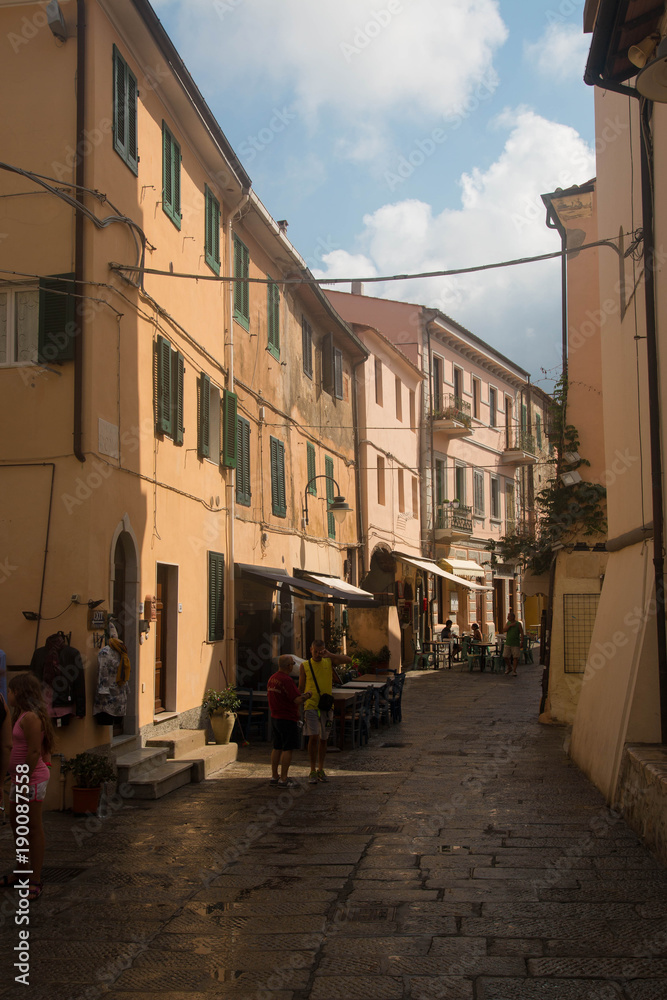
521	441
453	518
451	407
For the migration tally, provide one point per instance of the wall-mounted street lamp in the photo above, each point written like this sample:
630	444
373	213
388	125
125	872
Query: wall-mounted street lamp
338	507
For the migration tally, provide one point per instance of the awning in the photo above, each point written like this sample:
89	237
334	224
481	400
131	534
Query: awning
464	567
343	590
432	567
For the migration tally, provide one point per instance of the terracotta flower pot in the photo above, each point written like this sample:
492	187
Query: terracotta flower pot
222	724
85	800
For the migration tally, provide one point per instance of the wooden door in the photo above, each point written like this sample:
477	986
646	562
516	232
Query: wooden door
160	639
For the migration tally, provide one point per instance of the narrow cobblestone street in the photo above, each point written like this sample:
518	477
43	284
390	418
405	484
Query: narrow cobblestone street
460	855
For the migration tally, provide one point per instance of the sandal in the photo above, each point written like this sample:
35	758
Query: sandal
35	891
8	881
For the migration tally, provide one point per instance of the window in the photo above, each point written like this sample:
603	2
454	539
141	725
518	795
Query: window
458	384
243	493
524	418
401	492
307	346
412	410
212	235
19	326
171	176
216	592
437	384
460	473
311	468
278	494
478	492
37	323
538	430
378	382
415	495
495	498
170	367
241	288
332	367
508	423
493	407
440	482
381	480
273	317
510	513
125	93
399	399
329	471
476	387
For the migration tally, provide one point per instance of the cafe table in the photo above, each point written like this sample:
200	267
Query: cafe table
377	686
482	650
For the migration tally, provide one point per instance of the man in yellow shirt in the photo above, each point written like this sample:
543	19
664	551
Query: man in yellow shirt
318	672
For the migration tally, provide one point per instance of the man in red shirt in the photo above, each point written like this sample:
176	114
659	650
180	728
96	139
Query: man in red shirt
284	699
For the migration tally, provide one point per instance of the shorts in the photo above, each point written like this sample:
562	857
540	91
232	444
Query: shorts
511	652
316	723
36	791
286	734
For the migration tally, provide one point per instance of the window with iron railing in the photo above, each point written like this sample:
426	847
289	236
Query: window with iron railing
453	408
448	517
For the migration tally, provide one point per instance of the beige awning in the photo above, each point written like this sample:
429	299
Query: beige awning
341	585
432	567
463	567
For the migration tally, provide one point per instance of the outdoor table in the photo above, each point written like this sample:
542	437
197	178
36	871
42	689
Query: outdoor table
437	647
376	686
381	678
342	698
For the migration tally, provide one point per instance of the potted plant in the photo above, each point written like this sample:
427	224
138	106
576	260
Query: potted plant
90	771
382	658
221	707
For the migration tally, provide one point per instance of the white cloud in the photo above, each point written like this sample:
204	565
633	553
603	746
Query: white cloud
501	217
360	58
560	53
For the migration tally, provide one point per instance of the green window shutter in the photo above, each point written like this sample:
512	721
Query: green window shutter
307	346
338	373
273	317
203	415
57	322
241	289
164	387
178	370
278	495
216	591
538	430
229	414
125	98
311	467
171	176
243	462
327	363
329	471
524	417
212	231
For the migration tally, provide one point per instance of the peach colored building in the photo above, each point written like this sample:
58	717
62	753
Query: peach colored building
475	437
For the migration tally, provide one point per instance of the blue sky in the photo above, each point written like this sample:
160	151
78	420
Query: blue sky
400	136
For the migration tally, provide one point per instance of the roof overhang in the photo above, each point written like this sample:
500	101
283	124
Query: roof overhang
618	25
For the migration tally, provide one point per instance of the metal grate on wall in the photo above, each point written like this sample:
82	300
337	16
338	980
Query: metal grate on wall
579	611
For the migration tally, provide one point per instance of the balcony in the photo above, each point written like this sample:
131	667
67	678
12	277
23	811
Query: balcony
452	522
452	415
520	450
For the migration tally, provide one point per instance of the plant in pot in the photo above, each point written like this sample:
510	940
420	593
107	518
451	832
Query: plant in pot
222	707
90	771
382	658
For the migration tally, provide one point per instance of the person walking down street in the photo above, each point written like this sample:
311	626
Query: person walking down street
29	764
318	675
512	649
284	701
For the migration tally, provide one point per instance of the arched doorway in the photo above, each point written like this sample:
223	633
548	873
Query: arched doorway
125	604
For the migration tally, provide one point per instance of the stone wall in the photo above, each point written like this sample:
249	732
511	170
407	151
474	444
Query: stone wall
641	794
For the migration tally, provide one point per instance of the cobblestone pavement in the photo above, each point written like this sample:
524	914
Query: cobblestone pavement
460	855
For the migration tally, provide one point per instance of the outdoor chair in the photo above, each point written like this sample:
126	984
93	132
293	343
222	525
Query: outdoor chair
251	719
395	696
352	720
384	705
527	650
465	646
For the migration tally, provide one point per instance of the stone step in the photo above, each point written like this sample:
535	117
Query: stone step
180	743
211	758
161	780
138	764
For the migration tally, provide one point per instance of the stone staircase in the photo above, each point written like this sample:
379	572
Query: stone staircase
169	761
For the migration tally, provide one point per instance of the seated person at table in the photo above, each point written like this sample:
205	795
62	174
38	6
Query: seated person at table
476	633
284	701
448	634
318	672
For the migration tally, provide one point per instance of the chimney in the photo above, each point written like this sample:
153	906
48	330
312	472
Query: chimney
282	225
357	288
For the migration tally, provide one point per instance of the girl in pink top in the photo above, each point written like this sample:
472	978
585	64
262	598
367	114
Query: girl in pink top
29	766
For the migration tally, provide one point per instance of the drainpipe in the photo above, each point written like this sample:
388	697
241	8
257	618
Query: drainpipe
594	78
230	603
78	224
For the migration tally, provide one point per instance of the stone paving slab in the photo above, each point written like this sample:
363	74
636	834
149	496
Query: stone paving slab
547	989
